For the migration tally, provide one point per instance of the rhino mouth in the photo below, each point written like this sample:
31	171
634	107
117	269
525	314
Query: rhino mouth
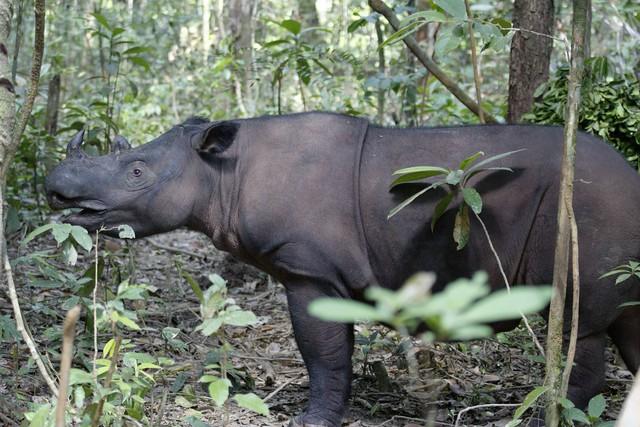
86	209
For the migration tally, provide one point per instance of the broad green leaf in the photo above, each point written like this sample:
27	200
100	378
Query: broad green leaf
597	404
454	8
101	20
140	61
275	43
469	160
125	321
69	253
440	209
195	287
208	379
529	400
210	326
356	24
614	272
505	305
473	199
291	25
109	347
219	391
252	402
454	177
117	31
342	310
621	278
424	17
82	237
61	232
126	232
462	227
78	376
303	69
502	24
403	32
42	417
575	414
414	176
135	50
407	201
38	231
240	318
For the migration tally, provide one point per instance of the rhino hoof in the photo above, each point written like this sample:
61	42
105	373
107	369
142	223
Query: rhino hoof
297	422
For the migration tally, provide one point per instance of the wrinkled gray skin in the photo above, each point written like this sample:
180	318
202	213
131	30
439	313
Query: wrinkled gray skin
305	197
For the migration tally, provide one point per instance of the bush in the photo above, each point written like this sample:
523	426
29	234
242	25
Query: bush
610	106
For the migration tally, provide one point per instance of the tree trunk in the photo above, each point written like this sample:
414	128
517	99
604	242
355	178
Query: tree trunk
241	13
530	53
18	40
564	247
53	103
206	33
308	13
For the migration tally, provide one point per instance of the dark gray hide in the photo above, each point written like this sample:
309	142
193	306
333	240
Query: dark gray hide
305	198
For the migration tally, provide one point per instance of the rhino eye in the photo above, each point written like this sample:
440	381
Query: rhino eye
137	172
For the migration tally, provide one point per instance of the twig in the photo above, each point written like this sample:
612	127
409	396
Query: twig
380	7
575	303
402	417
283	385
163	404
107	381
20	326
488	405
95	310
38	48
176	250
506	283
68	334
474	61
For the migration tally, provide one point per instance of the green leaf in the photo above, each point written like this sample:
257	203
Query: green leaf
117	31
529	400
303	69
219	391
494	158
462	227
424	17
61	232
629	304
125	321
621	278
135	50
575	414
140	61
597	404
403	32
69	253
291	25
195	287
126	232
440	209
101	20
356	24
342	310
505	305
407	201
454	8
82	237
473	199
454	177
252	402
78	376
469	160
471	332
502	24
240	318
38	231
416	174
210	326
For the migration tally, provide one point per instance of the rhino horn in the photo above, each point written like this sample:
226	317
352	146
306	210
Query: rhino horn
119	144
73	148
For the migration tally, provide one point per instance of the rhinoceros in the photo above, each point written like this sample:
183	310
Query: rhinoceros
305	198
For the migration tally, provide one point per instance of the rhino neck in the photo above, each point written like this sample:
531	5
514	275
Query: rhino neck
212	212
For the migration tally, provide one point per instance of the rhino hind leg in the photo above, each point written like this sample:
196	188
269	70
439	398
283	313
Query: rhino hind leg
587	376
326	348
625	333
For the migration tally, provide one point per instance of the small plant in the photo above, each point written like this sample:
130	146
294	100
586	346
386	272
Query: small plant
595	409
624	272
217	311
456	182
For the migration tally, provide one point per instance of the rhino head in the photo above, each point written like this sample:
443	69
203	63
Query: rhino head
157	187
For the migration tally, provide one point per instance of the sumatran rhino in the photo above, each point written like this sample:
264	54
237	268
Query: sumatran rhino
305	198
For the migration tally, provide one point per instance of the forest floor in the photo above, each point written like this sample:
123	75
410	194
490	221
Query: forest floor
453	377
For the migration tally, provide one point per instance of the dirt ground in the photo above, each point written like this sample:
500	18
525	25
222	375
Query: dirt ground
497	373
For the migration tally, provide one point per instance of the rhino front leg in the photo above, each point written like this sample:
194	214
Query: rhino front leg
326	348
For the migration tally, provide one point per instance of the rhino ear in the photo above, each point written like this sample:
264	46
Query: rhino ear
215	137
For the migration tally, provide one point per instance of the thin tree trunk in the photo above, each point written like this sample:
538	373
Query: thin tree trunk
565	211
530	54
18	40
53	103
206	19
241	13
381	71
